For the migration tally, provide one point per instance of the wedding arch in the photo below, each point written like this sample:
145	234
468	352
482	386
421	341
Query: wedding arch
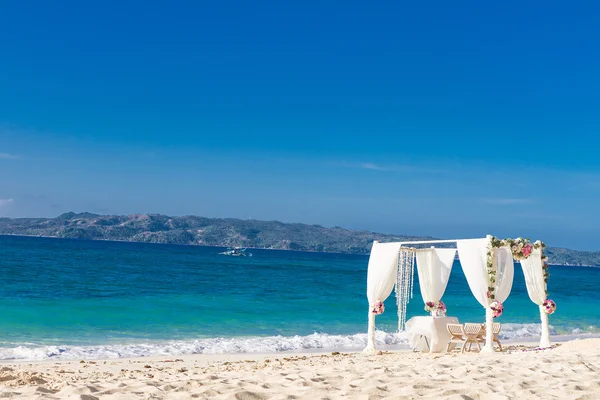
488	265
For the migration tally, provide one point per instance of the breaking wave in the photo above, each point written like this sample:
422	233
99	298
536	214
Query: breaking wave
255	344
269	344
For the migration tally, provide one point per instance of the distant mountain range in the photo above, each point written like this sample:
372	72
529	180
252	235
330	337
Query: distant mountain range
192	230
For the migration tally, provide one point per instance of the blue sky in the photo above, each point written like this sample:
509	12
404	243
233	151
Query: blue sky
447	119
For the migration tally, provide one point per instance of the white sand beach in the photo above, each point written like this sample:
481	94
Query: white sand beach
569	371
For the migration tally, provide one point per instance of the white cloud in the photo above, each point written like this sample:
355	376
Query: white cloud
506	201
373	166
390	168
5	202
361	165
7	156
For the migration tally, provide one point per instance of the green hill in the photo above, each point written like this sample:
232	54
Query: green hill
192	230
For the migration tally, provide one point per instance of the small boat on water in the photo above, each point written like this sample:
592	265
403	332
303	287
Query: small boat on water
236	252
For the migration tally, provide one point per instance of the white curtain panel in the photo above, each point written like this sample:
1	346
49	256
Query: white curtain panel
534	276
434	267
381	275
473	259
533	270
505	273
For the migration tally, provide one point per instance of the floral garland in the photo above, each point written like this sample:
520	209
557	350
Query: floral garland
378	308
491	271
541	245
435	305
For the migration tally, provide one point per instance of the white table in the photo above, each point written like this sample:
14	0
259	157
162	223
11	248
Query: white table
429	333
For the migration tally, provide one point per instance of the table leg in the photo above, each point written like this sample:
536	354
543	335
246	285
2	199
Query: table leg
421	337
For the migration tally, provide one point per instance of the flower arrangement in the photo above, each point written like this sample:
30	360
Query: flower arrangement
521	247
378	308
549	306
497	308
431	306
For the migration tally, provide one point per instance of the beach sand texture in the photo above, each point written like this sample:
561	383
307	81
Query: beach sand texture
570	371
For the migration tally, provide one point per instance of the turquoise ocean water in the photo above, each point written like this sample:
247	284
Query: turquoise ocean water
71	299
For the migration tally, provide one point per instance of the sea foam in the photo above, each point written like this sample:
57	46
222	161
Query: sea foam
269	344
255	344
522	331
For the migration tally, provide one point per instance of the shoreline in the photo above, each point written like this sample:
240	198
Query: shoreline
569	370
208	358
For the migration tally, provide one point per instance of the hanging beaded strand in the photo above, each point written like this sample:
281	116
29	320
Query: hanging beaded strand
406	287
404	283
412	273
399	287
398	280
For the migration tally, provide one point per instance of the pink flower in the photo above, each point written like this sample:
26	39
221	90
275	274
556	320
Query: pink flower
489	294
378	308
526	250
549	306
496	308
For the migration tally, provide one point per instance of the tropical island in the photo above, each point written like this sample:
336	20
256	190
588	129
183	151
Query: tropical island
202	231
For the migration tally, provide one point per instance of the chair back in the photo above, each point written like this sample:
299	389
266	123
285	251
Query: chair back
496	328
474	329
455	329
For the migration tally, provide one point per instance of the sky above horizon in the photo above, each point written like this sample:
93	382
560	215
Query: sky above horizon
444	119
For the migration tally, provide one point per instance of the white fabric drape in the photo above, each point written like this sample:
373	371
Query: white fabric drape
505	273
473	258
434	267
534	277
381	274
381	277
533	270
